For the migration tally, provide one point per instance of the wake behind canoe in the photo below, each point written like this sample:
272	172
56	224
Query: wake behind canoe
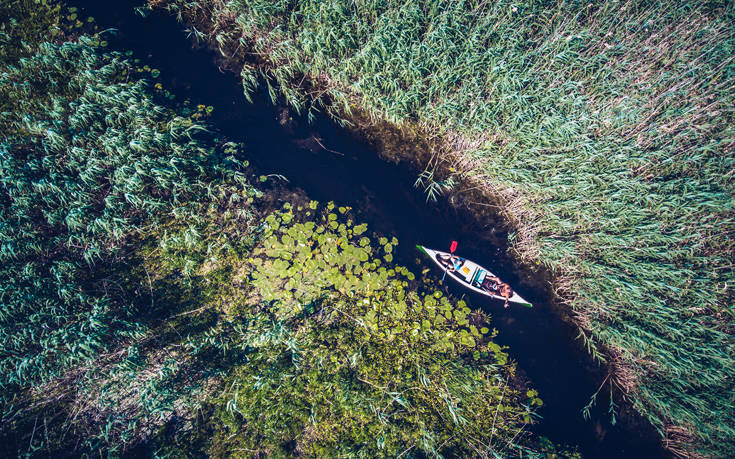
471	275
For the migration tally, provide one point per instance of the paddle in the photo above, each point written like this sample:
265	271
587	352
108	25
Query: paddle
452	248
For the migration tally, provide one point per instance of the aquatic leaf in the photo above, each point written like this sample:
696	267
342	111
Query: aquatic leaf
468	341
439	320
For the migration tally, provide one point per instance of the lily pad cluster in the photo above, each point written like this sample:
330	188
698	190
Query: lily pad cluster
347	353
300	263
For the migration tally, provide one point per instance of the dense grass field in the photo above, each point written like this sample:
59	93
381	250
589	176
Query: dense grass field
155	303
605	129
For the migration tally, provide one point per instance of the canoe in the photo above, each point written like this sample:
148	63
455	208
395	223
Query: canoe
470	275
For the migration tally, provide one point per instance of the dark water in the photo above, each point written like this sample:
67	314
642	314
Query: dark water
384	196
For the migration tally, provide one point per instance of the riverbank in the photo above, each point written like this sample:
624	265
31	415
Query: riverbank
619	183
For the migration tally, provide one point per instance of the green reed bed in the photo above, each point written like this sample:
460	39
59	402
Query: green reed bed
606	128
89	161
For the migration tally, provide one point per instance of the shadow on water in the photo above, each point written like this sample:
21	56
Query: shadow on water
327	164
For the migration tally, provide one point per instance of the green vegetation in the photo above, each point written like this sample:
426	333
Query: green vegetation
151	302
345	359
89	164
605	129
82	168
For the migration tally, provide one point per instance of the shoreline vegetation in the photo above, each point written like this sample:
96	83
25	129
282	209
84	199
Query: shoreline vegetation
155	302
603	132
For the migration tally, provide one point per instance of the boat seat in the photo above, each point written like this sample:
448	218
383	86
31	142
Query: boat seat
479	277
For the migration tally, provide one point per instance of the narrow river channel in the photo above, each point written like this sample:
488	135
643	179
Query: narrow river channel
327	164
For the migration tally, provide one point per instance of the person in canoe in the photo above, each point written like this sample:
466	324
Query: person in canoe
452	262
494	285
506	292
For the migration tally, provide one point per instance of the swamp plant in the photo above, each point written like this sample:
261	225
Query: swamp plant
344	357
89	161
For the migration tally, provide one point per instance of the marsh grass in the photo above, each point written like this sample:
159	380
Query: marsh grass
87	160
146	393
90	164
605	129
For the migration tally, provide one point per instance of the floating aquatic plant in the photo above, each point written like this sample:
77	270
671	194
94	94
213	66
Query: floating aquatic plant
346	354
